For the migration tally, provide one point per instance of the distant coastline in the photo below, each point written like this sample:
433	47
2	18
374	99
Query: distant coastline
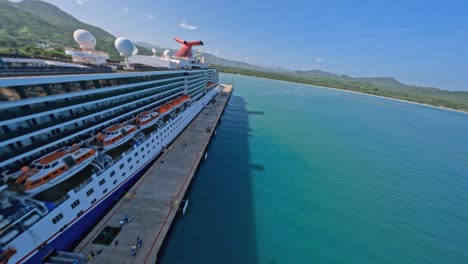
277	77
384	97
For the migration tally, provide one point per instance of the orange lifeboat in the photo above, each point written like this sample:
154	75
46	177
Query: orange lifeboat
54	168
145	118
180	100
115	135
165	108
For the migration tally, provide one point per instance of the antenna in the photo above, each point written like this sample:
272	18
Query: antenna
167	54
154	51
125	48
85	39
200	52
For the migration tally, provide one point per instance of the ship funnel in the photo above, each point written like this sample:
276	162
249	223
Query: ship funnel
186	50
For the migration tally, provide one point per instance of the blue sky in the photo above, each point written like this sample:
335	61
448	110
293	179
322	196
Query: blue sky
417	42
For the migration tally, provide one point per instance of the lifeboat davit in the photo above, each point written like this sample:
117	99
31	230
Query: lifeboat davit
146	119
54	168
115	135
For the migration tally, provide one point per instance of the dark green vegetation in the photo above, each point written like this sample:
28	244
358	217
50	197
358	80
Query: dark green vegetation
383	86
30	23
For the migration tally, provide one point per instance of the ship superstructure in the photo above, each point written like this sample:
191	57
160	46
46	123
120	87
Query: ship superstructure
75	135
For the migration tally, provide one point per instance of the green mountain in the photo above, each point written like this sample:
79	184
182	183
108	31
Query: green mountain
34	22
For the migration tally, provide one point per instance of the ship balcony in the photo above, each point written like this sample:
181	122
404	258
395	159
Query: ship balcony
77	133
62	120
87	98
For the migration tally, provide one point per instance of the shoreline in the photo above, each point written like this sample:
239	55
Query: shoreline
349	91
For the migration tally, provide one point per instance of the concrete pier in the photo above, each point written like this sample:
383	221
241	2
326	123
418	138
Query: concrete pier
153	201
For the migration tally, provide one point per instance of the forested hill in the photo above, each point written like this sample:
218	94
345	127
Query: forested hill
431	96
30	22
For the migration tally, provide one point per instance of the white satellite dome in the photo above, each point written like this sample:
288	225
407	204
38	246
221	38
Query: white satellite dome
135	50
167	54
85	39
124	46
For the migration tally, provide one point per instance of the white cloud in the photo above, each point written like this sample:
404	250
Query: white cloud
149	16
80	2
125	10
187	26
318	60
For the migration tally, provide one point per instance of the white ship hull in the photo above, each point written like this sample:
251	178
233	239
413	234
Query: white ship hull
43	236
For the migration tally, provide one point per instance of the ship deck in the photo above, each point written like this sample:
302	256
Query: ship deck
153	201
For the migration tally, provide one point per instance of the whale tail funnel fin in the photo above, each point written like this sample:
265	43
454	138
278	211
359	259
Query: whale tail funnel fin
186	50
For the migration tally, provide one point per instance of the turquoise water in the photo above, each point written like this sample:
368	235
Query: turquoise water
299	174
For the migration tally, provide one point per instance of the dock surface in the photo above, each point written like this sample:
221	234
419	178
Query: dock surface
153	201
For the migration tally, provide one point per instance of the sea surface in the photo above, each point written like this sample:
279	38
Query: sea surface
302	174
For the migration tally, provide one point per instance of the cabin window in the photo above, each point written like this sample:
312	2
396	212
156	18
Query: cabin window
114	182
121	166
136	154
142	149
93	201
131	167
129	160
147	144
57	218
123	174
89	192
112	173
75	203
105	190
102	182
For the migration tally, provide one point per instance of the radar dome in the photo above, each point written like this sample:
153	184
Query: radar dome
85	39
124	46
135	50
167	54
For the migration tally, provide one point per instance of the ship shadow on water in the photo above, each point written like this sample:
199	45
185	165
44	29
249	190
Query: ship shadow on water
219	225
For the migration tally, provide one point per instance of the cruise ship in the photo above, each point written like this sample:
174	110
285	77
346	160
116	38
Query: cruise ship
76	134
